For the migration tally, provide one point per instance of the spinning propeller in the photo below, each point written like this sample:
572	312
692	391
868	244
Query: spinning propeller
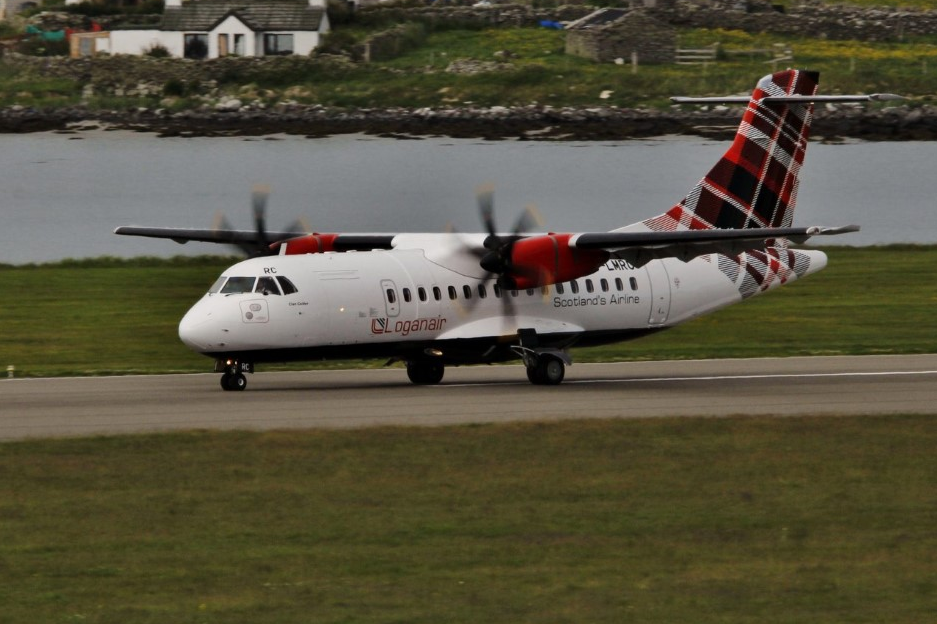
260	243
497	260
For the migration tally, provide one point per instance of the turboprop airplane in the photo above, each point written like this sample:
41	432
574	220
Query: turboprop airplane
437	300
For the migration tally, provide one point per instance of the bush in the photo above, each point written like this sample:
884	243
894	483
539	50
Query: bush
158	50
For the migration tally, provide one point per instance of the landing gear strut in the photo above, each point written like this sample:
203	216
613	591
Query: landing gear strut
546	366
233	378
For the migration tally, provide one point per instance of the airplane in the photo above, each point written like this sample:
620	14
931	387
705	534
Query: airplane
433	300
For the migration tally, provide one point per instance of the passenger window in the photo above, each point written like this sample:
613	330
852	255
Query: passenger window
406	295
619	285
574	287
634	283
236	285
267	286
452	293
497	290
530	292
437	294
391	295
545	290
482	291
288	287
513	293
467	291
421	293
589	287
560	289
604	284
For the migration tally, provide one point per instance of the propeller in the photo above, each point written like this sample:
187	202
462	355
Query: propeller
260	244
495	254
497	260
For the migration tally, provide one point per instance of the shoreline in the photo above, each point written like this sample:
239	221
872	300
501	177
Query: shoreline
532	123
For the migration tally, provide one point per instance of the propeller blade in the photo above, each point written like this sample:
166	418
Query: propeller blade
259	196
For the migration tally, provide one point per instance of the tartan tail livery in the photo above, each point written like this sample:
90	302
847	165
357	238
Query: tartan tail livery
434	300
754	184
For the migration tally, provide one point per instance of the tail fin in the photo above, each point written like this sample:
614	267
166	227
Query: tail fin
754	185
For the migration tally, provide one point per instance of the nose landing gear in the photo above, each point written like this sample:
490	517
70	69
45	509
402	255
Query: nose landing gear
233	378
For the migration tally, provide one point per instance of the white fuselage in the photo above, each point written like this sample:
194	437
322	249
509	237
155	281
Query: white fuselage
391	303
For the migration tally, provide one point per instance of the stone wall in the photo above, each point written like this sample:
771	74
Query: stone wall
821	21
638	32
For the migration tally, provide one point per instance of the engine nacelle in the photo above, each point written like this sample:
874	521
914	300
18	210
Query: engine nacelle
308	244
548	259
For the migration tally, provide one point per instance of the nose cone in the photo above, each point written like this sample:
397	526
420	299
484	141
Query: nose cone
194	328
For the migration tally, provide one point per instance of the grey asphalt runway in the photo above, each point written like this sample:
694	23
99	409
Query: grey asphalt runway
67	407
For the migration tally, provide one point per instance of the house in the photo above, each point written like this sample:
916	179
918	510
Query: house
200	29
609	34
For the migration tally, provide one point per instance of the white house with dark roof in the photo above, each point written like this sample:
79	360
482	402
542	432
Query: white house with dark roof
200	29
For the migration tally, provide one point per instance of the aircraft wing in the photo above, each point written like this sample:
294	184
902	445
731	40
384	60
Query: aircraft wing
250	239
641	247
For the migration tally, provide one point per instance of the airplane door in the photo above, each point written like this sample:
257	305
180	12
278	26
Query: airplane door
660	292
391	298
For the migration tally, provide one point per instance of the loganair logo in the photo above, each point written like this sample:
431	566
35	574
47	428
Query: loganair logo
405	328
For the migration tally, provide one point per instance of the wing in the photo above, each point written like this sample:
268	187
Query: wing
183	235
641	247
251	240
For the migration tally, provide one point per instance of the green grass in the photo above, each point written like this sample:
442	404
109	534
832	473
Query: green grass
688	520
541	73
113	316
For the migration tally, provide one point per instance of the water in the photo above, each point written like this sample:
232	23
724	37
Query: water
62	195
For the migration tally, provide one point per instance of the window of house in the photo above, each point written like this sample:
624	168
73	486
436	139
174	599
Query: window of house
195	45
238	49
278	44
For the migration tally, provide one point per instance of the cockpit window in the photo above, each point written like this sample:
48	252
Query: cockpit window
236	285
217	285
267	286
286	285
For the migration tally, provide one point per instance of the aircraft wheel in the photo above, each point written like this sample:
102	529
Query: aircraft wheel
237	381
424	372
548	371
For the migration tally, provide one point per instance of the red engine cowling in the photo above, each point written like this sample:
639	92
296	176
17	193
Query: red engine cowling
311	243
548	259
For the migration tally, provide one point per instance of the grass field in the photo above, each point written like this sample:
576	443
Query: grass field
660	520
114	316
538	71
690	520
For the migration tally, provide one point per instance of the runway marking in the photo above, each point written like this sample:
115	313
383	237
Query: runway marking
701	378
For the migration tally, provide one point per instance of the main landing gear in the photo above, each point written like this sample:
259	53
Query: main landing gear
425	372
545	369
232	377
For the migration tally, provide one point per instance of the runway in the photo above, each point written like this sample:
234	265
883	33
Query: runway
66	407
